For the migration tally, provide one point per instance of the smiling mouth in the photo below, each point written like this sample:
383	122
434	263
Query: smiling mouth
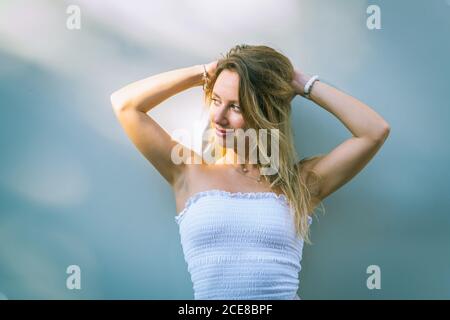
222	133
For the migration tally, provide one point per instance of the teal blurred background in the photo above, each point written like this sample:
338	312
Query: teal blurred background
75	191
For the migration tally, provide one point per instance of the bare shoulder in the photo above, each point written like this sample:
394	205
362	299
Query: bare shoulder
306	166
190	163
308	162
192	175
310	177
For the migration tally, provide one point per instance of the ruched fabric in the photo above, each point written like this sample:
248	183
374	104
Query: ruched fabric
241	245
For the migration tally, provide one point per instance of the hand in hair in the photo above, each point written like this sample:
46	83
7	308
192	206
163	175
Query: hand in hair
211	68
299	81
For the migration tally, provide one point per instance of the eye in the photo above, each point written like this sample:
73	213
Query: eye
236	108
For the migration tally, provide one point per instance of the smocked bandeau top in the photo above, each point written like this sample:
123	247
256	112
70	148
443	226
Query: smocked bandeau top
240	245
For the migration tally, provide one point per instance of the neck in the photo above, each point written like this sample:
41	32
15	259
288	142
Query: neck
231	157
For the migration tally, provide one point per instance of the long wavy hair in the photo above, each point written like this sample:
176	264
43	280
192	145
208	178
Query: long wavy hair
265	95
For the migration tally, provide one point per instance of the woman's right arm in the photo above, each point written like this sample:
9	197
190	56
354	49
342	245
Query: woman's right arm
145	94
131	104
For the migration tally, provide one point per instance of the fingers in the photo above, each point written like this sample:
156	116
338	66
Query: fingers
211	68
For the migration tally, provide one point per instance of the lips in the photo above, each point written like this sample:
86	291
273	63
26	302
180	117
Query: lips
223	132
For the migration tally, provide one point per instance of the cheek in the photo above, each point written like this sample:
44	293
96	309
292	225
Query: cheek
237	121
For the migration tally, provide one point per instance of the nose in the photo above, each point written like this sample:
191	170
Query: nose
220	116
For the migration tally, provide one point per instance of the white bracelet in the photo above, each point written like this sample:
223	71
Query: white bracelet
309	85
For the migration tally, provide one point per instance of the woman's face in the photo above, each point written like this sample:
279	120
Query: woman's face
225	111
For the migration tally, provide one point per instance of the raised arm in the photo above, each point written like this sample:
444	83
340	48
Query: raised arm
368	128
131	104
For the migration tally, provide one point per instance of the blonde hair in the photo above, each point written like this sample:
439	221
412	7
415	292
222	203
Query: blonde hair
265	95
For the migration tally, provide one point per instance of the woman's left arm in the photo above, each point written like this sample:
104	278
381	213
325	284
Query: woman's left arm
368	128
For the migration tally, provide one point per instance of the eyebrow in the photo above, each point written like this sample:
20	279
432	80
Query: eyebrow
215	94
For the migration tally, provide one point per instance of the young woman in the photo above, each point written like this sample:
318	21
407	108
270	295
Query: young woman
242	232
